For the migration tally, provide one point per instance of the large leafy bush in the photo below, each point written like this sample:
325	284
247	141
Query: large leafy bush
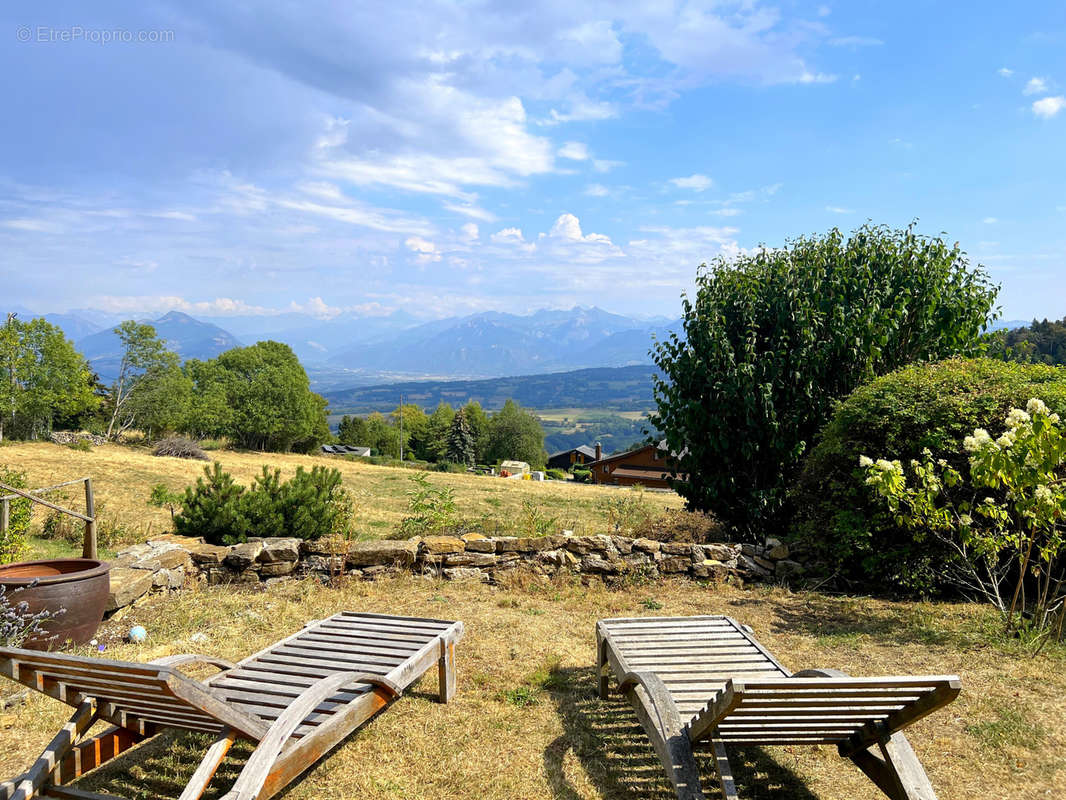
13	540
896	417
308	506
773	338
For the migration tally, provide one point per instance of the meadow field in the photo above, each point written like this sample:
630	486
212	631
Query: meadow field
526	722
123	478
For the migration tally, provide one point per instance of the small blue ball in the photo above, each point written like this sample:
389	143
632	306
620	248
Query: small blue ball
137	634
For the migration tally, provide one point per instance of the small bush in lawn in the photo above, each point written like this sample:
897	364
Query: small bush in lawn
13	540
310	505
430	509
582	475
179	447
81	445
556	474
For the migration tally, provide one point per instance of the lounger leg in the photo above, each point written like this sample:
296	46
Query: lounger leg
894	767
91	753
603	673
29	783
446	670
208	767
657	712
724	770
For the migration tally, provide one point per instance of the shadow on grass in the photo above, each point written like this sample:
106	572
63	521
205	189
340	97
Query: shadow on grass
618	759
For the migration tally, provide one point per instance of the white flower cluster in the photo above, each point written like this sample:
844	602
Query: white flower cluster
979	439
1016	418
1036	406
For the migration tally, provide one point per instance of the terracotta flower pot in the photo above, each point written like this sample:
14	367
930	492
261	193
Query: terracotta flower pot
78	585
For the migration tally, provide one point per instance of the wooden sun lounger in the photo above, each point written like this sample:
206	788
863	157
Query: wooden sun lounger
296	700
706	679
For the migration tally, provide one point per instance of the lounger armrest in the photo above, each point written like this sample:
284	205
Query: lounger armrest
257	769
191	658
669	718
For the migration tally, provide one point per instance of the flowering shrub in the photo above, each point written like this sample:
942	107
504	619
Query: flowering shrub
16	622
1004	523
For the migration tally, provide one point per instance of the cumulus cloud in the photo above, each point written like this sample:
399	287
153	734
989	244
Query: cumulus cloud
425	251
1049	106
1004	72
1036	86
696	182
597	190
575	151
839	210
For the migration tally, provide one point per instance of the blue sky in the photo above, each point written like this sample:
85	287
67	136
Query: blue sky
445	158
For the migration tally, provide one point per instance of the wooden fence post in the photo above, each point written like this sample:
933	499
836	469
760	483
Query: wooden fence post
5	516
88	548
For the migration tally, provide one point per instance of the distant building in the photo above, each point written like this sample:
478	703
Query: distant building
345	450
509	469
649	466
574	457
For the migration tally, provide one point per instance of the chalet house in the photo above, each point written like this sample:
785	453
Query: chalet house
648	465
575	457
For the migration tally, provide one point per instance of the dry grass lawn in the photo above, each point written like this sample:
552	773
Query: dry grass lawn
123	478
526	722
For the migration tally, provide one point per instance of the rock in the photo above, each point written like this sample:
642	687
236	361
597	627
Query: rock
676	548
746	564
778	552
720	552
276	568
582	545
242	556
747	549
623	544
328	564
675	563
439	545
207	554
710	568
469	560
596	564
559	558
788	569
277	549
506	544
248	576
472	537
463	574
383	552
764	563
770	542
481	545
326	546
647	545
534	544
176	578
127	585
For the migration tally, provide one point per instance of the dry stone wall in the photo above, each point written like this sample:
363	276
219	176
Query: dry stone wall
171	561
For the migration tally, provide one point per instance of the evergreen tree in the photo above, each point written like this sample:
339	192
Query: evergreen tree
440	422
460	440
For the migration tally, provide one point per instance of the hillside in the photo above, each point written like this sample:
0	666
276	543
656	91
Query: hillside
611	388
123	478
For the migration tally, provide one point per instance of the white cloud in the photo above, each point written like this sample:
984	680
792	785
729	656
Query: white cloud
1049	106
575	151
597	190
316	307
814	77
425	250
1004	72
508	235
470	231
605	165
133	304
762	194
472	211
726	212
824	11
1036	86
839	210
990	220
696	182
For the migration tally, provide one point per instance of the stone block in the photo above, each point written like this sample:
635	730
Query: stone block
278	548
277	568
788	569
383	552
463	573
710	568
208	554
676	548
506	544
242	556
481	545
674	564
469	559
647	545
439	545
598	565
721	552
127	585
778	552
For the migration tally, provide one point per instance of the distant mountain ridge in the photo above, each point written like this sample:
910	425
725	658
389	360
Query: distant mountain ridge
185	335
608	388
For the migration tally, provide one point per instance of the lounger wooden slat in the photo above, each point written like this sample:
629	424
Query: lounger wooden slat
706	680
296	700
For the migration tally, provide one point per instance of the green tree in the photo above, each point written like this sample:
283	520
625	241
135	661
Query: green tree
382	437
460	440
479	427
516	434
415	426
440	423
774	338
353	431
42	377
163	399
271	406
209	412
145	359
